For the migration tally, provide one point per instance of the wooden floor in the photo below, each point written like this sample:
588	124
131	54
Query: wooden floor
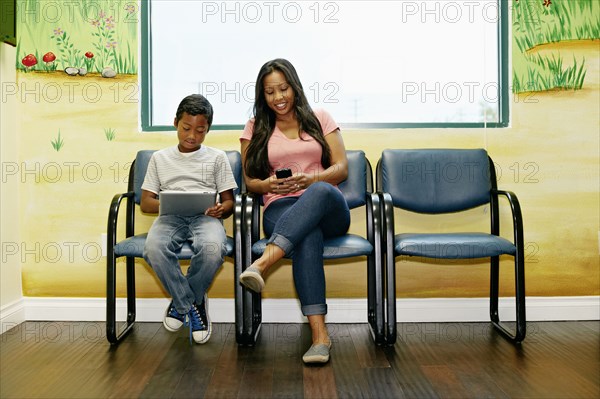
434	360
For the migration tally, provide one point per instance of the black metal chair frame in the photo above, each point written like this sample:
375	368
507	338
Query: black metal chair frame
388	236
113	334
248	303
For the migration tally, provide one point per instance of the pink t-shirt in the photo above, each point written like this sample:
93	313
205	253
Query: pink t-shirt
298	155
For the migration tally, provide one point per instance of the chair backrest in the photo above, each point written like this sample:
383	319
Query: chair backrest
142	159
435	180
359	181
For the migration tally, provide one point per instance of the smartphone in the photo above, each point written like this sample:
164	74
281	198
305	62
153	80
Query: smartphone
283	173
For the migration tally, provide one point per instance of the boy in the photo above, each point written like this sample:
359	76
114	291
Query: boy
189	166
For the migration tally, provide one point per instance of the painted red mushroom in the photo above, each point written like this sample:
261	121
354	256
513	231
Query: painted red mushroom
29	61
49	57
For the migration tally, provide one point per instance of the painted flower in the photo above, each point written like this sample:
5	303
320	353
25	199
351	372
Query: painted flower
109	25
110	20
89	54
58	32
29	60
130	8
49	57
96	22
110	45
547	3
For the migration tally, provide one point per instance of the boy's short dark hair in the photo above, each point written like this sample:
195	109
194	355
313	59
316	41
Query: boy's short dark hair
195	104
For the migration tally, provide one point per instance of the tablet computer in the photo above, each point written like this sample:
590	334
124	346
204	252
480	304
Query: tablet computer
185	203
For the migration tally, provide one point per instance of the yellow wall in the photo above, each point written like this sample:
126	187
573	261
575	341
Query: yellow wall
10	269
548	156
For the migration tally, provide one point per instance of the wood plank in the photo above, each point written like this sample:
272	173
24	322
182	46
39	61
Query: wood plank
351	376
319	382
369	354
229	369
73	360
288	380
445	382
257	378
202	363
132	381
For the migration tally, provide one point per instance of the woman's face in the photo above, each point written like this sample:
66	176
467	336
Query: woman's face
278	93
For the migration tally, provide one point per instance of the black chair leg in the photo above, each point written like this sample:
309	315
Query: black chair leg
248	316
390	301
521	329
114	336
376	302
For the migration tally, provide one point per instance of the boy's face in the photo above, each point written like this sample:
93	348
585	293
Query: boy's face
191	131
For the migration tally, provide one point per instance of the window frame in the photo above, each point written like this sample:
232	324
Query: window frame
503	83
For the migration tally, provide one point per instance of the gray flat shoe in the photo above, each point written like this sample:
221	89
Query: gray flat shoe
251	278
317	353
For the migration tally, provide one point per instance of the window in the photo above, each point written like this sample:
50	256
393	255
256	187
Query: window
400	63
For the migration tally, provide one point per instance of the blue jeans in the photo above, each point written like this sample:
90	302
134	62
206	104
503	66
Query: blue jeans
298	225
207	237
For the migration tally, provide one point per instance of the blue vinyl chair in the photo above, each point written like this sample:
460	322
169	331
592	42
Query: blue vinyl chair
132	246
441	181
357	190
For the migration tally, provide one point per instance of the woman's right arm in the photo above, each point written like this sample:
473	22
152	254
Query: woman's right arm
269	185
253	185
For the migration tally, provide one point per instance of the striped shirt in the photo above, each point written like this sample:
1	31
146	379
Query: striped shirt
206	169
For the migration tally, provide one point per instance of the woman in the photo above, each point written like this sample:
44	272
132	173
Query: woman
304	208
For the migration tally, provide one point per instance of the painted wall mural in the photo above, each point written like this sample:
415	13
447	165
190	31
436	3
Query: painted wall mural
78	37
77	96
541	26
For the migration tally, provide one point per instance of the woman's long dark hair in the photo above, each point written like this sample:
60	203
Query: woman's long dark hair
257	155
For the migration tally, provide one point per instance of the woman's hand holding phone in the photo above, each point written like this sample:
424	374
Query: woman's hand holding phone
289	183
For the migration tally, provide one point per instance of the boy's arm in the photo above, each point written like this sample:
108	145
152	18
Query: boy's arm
149	202
223	209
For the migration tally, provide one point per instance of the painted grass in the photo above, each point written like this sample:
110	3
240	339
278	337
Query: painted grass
538	22
535	23
58	142
110	133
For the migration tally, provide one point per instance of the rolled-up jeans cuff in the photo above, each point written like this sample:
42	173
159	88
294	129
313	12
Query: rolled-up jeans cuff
281	242
310	310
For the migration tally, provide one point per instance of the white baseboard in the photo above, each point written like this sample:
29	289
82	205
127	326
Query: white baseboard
288	310
12	315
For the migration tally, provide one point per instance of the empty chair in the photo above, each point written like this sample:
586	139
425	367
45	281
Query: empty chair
448	181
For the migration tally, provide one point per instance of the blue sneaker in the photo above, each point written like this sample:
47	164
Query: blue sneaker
199	323
173	320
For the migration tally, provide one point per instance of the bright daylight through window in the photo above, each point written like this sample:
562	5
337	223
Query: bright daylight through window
369	63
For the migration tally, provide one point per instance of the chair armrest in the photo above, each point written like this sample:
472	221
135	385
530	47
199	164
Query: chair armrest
387	219
113	214
238	226
252	216
517	216
250	224
373	210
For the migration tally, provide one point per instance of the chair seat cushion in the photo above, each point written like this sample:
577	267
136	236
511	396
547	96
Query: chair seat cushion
134	247
335	248
452	245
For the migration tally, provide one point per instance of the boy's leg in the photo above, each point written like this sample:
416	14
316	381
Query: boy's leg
208	242
165	237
